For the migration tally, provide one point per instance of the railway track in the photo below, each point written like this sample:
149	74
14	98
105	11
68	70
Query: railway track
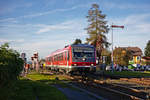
111	90
142	81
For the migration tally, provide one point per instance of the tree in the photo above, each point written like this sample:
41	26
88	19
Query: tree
107	55
147	49
97	29
77	41
121	56
10	64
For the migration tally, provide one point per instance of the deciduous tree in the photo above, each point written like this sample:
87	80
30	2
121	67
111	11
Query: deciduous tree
10	64
77	41
121	56
107	54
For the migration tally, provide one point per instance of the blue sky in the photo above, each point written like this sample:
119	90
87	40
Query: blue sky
47	25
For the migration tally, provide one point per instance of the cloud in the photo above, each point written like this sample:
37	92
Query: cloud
11	7
46	13
44	38
7	19
57	10
32	32
135	24
123	5
7	40
44	48
135	33
67	25
48	28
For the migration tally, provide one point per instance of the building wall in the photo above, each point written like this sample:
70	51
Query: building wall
137	59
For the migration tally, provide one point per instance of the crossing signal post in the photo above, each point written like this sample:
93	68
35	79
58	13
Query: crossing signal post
114	26
35	61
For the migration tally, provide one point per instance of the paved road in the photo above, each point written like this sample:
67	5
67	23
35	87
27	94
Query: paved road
78	93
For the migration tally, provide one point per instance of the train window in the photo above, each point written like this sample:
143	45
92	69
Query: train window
65	55
68	56
57	59
61	56
54	58
51	59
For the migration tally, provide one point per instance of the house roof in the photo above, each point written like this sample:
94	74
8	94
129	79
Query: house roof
146	58
135	51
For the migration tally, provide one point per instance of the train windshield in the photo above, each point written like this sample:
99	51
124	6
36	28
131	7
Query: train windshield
83	52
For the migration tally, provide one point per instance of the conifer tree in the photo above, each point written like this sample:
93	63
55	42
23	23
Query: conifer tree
147	49
97	28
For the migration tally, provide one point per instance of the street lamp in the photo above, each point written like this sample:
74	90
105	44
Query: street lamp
114	26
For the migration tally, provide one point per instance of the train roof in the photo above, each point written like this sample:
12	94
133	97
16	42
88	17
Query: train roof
68	46
59	50
82	45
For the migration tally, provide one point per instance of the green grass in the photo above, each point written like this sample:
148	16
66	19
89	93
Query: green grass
47	79
36	76
38	87
147	72
20	90
128	74
46	92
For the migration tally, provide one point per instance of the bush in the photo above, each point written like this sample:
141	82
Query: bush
10	65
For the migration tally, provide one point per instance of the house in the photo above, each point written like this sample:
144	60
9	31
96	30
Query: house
145	60
136	53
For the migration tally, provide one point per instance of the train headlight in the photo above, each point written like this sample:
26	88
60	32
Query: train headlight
83	59
92	64
75	64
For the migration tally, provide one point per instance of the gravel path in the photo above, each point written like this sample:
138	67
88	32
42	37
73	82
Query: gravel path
76	93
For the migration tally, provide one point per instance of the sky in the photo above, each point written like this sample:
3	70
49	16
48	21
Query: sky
44	26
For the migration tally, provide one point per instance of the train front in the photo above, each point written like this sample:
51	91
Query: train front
83	58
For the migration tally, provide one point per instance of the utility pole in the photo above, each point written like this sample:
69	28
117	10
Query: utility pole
114	26
112	48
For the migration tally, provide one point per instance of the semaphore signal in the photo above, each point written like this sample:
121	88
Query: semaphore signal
114	26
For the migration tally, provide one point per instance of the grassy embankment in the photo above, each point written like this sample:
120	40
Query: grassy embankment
128	74
38	88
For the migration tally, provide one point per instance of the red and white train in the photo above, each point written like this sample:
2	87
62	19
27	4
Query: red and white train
73	58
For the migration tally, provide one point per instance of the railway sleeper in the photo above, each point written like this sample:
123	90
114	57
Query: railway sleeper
130	92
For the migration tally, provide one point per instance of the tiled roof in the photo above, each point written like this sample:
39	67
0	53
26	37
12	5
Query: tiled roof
135	51
147	58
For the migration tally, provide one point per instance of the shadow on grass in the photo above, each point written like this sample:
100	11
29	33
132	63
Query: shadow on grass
25	89
124	74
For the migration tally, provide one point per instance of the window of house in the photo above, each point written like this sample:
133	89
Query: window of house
138	57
